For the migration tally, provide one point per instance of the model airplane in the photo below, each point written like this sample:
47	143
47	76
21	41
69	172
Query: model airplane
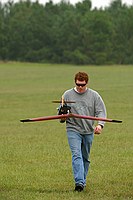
64	112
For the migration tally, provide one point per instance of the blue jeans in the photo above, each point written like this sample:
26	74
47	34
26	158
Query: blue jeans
80	146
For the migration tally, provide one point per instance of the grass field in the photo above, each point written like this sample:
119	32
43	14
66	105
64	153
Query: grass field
35	160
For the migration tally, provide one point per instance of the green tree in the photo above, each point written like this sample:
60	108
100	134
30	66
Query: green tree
84	6
97	36
66	33
122	17
3	35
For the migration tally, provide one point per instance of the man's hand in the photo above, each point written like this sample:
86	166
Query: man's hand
98	129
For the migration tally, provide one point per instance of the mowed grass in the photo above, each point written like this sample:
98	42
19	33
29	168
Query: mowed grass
35	160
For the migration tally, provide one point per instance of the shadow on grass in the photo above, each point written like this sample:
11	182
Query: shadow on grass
55	192
49	191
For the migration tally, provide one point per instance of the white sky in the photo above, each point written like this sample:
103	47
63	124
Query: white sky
95	3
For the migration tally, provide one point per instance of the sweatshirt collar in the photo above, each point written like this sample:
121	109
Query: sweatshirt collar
75	89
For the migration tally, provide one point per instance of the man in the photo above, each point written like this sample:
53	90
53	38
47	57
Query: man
80	132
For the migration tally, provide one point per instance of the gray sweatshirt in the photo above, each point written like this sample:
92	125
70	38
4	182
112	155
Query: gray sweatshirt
88	103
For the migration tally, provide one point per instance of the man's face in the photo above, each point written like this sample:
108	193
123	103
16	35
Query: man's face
80	86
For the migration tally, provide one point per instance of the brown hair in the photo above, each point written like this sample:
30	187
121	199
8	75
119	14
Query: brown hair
81	76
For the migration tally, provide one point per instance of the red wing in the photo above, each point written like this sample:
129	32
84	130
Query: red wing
96	118
71	115
46	118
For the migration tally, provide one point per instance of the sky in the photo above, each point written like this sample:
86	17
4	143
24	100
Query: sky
95	3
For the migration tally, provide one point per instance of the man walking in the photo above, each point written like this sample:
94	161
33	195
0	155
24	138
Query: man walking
80	132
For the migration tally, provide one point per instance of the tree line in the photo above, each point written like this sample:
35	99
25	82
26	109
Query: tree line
66	33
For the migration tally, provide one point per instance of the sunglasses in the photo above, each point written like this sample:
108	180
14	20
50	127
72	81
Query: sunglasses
82	85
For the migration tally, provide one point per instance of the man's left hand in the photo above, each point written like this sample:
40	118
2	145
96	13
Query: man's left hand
98	129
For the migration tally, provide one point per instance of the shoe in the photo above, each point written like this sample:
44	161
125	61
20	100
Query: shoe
79	187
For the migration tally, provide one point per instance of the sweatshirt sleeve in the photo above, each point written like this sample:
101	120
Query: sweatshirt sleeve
100	109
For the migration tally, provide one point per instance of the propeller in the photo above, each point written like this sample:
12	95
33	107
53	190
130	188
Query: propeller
60	101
